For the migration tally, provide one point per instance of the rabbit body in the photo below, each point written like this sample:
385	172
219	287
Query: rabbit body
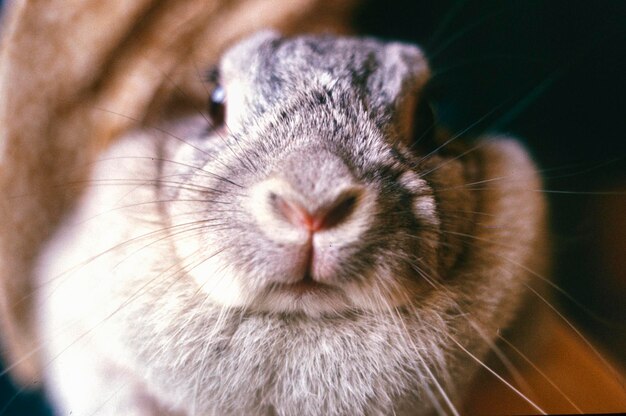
304	259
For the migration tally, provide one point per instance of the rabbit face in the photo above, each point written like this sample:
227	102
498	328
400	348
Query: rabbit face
311	198
304	254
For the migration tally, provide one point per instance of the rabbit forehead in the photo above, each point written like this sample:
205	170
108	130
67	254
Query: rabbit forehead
272	67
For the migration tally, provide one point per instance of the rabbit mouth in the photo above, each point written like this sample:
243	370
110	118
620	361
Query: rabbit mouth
305	286
306	295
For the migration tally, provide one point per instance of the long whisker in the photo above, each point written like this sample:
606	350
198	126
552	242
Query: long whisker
538	370
517	376
606	364
498	376
429	372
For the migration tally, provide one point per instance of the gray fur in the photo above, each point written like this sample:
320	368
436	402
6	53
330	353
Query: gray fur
422	281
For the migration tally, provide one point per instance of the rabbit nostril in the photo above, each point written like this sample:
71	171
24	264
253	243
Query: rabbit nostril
338	213
323	219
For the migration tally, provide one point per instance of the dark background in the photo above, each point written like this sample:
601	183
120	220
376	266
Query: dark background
552	73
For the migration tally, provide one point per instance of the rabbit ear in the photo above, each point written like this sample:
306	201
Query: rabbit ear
404	71
399	83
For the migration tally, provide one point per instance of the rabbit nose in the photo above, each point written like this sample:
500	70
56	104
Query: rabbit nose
323	217
309	192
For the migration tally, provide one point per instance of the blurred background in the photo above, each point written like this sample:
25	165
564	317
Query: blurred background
552	73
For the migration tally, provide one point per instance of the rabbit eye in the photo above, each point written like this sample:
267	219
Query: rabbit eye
217	106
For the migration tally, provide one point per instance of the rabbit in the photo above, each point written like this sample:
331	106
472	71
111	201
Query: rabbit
310	245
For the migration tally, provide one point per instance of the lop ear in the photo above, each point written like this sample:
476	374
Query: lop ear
406	69
62	102
399	84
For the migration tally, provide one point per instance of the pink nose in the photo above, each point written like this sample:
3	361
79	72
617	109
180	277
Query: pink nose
325	217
